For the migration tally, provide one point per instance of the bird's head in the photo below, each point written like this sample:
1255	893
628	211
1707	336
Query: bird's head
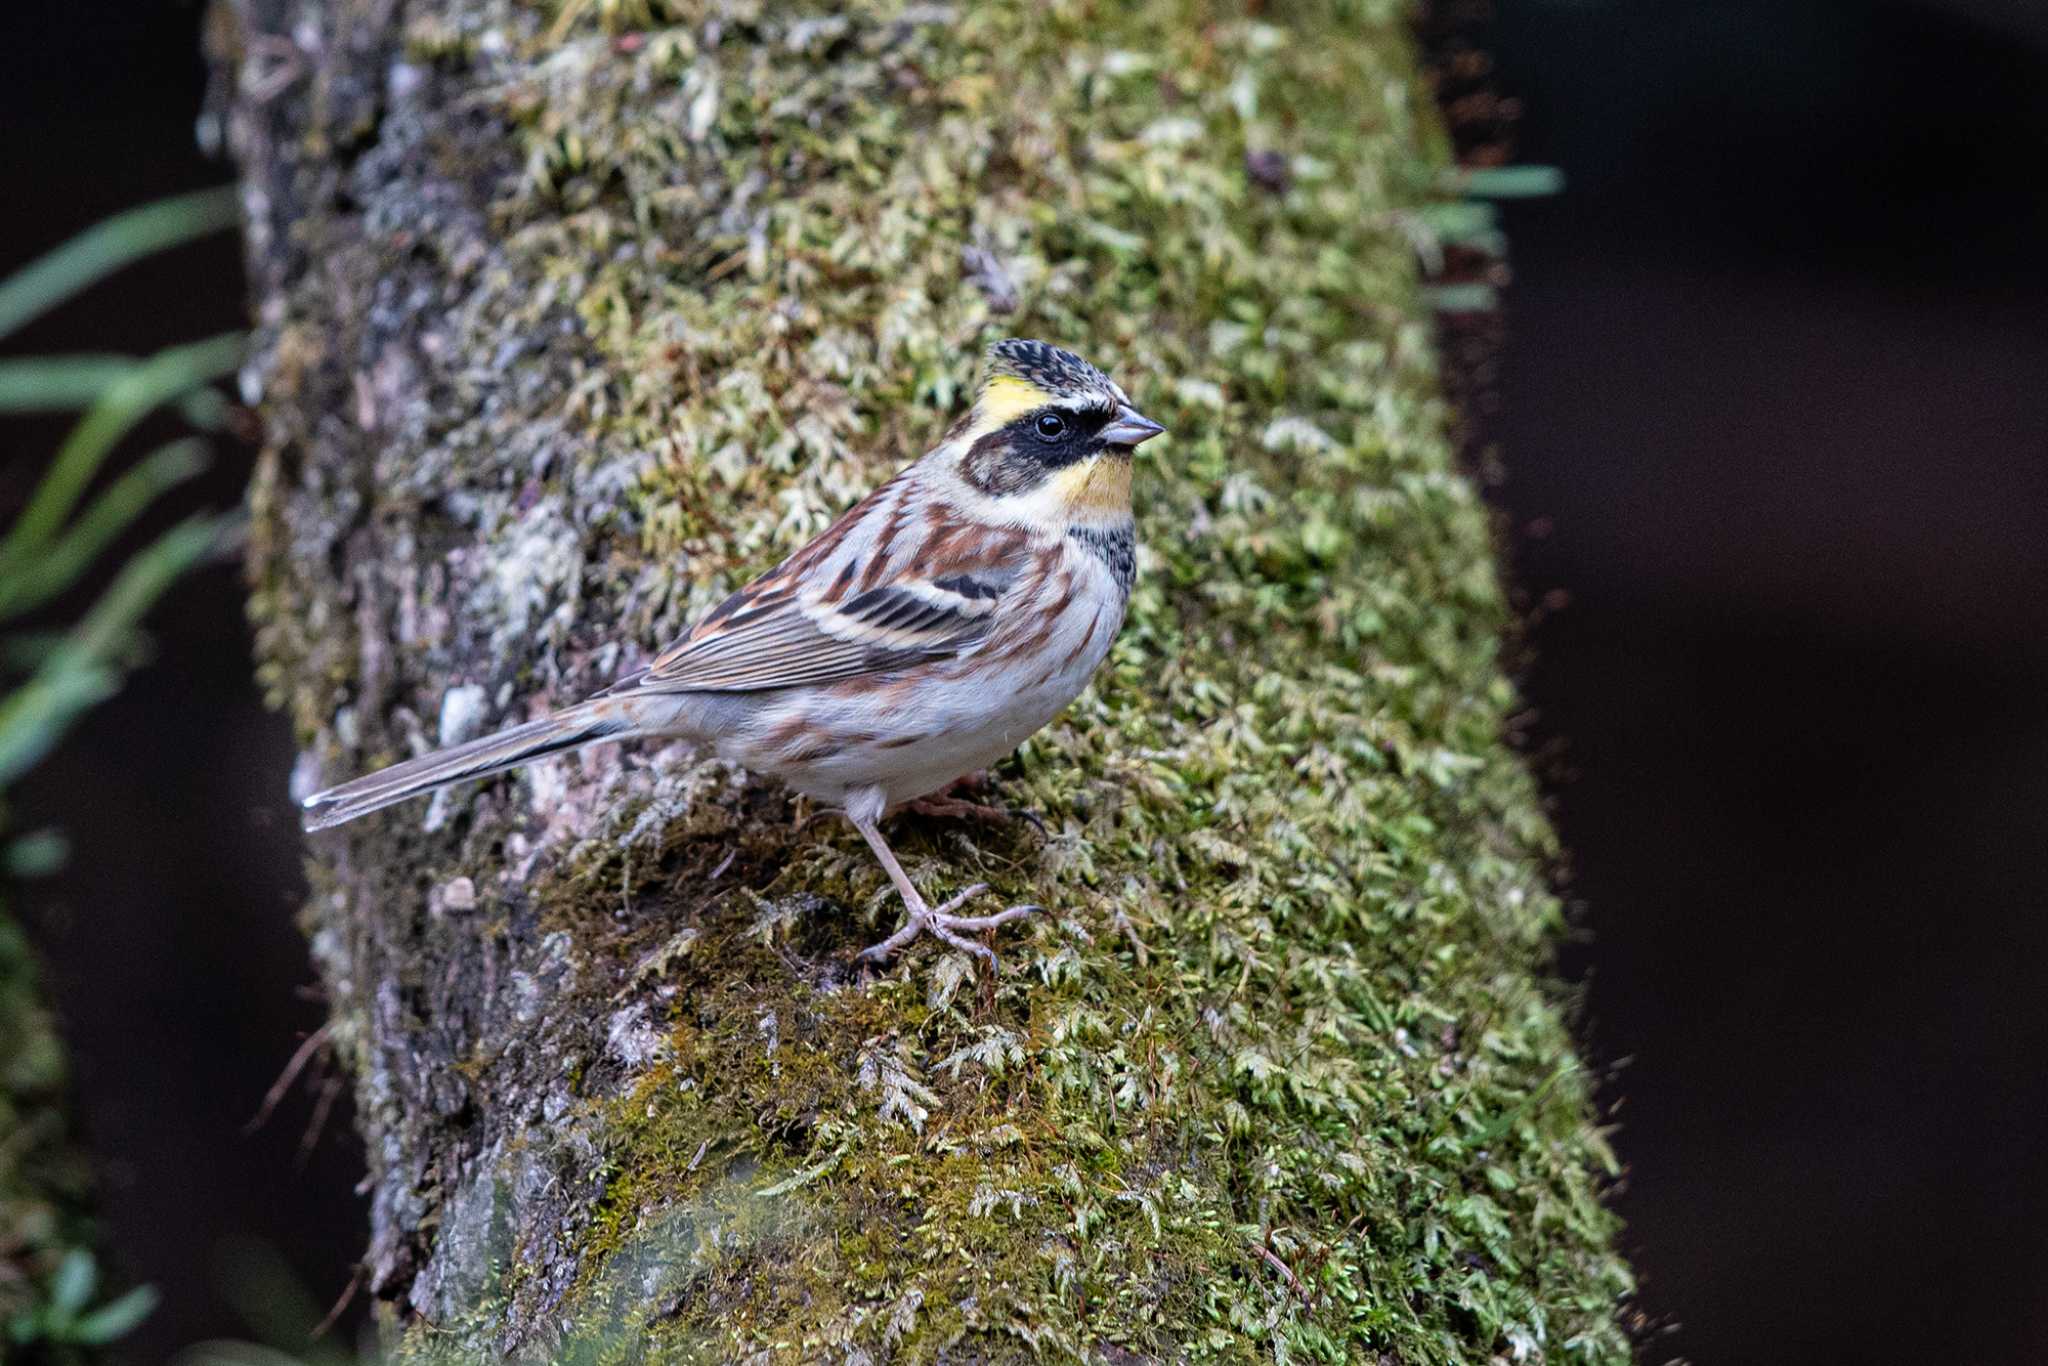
1051	436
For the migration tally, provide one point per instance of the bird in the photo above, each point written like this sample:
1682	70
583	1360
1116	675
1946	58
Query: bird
924	635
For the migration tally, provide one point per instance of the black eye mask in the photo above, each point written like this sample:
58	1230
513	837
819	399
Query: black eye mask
1056	437
1019	455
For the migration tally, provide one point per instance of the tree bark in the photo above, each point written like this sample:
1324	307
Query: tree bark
571	318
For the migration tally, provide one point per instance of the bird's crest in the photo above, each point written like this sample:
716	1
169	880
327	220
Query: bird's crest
1024	374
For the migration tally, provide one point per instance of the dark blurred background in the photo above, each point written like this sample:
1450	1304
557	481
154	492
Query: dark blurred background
173	958
1773	410
1776	388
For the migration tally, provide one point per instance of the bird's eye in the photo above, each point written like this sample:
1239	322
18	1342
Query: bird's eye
1051	426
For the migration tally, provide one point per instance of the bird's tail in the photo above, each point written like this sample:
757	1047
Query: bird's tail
572	728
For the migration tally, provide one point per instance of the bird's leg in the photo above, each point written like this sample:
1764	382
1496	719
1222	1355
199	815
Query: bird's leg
938	920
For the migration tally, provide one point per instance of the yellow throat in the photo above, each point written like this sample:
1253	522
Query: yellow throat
1095	489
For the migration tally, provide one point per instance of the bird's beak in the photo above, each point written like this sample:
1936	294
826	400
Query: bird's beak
1129	427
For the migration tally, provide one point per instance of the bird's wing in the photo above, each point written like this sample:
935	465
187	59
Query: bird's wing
890	584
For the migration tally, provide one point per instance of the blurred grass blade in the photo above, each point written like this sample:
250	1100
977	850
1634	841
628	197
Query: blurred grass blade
64	384
272	1300
39	853
105	247
142	581
24	651
117	1318
81	672
77	1276
1511	182
123	404
1466	222
35	715
1473	297
57	384
105	518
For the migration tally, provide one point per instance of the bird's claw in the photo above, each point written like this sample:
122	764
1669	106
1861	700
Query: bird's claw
940	922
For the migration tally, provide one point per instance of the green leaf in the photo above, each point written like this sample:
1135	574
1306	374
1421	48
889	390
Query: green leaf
112	513
105	247
1512	182
144	580
25	651
1466	222
1466	298
34	717
77	1276
47	384
36	854
62	384
123	404
80	673
117	1318
1456	218
272	1301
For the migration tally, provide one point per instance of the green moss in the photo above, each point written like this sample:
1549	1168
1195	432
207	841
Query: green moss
45	1182
1279	1075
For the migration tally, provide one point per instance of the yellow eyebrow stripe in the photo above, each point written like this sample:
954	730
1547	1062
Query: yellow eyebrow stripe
1007	397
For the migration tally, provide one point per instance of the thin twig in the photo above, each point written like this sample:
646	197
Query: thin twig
348	1292
724	863
303	1055
1293	1281
323	1107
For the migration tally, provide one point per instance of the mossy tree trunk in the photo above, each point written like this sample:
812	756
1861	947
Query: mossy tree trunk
574	316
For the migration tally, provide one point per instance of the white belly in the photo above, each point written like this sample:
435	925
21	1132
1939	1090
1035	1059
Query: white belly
970	725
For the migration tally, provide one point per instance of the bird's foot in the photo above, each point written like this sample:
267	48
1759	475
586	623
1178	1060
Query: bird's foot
940	922
956	808
960	808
